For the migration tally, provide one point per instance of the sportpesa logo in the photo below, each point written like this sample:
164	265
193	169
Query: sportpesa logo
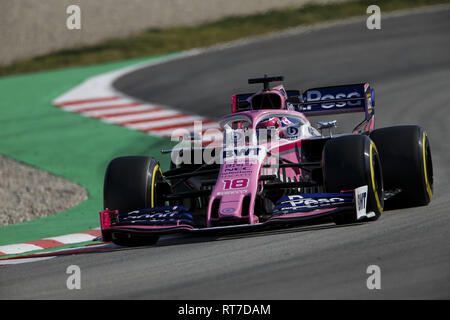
313	96
295	201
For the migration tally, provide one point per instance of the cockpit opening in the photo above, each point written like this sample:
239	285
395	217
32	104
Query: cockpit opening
266	101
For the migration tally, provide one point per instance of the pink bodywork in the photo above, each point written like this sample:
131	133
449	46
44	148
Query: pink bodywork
247	171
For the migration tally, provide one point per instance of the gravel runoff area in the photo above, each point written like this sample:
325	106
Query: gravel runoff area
30	28
27	193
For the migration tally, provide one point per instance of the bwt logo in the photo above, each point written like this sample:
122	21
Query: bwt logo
241	152
316	96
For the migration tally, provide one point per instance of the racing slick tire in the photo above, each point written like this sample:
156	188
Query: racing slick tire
405	155
350	162
131	184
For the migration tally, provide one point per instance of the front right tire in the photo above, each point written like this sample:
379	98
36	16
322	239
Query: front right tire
350	162
405	155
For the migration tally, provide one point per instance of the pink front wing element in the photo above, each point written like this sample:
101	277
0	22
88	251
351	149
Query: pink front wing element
237	181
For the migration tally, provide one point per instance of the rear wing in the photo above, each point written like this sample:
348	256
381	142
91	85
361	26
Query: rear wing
338	99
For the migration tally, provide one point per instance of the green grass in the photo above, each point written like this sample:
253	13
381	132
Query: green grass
161	41
65	144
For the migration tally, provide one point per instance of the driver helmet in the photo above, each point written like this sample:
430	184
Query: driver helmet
271	123
267	128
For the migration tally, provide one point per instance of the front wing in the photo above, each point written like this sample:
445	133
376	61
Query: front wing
292	210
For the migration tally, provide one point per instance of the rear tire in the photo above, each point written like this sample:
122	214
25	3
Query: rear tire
350	162
405	155
131	184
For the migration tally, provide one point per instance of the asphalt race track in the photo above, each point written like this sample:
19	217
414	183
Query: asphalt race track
408	64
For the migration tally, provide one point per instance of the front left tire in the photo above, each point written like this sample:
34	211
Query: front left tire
131	183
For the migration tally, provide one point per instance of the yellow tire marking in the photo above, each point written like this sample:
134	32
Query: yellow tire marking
372	146
427	184
152	190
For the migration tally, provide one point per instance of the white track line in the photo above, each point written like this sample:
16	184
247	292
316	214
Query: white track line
100	113
92	105
142	116
18	248
50	242
153	124
73	238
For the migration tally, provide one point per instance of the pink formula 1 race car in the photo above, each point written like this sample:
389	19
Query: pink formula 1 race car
271	169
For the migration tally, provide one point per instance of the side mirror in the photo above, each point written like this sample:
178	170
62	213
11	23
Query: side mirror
293	100
326	125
